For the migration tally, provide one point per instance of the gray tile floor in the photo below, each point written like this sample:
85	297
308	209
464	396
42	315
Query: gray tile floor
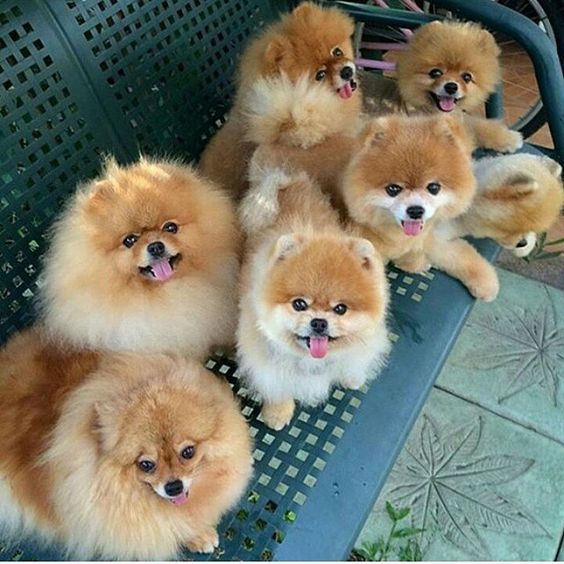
483	469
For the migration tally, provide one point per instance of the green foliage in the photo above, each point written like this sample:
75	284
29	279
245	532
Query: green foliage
540	252
389	549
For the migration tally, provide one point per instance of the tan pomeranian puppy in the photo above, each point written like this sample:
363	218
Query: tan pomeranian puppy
411	173
518	196
313	297
310	46
452	66
117	455
144	258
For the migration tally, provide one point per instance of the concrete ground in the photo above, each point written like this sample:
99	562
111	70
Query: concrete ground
482	471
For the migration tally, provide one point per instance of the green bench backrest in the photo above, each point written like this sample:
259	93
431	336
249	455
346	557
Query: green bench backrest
80	78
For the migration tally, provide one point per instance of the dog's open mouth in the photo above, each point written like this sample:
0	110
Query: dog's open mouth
412	227
161	269
179	499
346	91
445	103
318	346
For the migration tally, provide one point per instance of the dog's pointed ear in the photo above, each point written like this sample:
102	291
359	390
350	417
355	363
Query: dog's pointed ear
364	249
374	131
286	245
487	44
274	54
553	167
514	187
522	184
105	424
453	127
305	10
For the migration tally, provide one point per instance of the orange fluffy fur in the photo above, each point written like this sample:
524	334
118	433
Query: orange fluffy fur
518	196
298	249
278	98
96	293
74	427
411	155
458	50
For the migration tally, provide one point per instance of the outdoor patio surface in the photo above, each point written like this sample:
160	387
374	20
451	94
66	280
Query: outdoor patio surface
483	469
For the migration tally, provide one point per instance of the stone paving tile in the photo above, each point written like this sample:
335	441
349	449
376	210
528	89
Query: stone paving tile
480	486
510	356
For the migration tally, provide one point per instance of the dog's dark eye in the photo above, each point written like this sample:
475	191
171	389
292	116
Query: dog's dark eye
435	73
340	309
467	77
299	304
393	190
434	188
188	452
170	226
337	52
320	75
146	466
130	240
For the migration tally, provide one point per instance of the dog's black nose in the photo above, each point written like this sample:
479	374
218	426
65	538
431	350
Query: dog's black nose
174	488
156	249
319	325
522	243
451	87
346	73
415	212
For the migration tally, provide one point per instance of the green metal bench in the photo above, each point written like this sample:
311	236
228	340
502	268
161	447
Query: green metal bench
79	78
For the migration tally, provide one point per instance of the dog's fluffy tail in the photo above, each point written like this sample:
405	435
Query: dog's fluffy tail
260	207
299	114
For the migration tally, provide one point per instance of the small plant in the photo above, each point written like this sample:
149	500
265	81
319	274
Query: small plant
541	253
392	548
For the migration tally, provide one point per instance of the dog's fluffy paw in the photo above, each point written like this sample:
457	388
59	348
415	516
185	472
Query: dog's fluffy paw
352	383
485	284
509	142
278	415
205	541
414	264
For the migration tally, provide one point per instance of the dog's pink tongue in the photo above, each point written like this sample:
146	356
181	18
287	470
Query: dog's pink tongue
346	91
412	227
180	499
162	270
447	103
318	346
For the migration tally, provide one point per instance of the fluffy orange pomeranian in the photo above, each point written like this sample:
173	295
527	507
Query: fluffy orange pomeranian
144	258
518	196
411	173
117	455
313	297
451	66
310	49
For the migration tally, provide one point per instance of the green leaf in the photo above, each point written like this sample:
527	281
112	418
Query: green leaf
406	532
555	242
391	511
402	513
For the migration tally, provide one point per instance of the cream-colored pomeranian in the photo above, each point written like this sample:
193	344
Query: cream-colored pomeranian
309	48
313	298
144	258
518	196
411	173
117	455
451	66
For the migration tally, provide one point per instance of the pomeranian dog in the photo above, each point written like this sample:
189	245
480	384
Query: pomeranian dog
518	196
117	455
144	258
313	297
451	66
310	47
411	173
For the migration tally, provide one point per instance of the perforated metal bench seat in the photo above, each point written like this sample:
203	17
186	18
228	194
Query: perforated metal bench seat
82	77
